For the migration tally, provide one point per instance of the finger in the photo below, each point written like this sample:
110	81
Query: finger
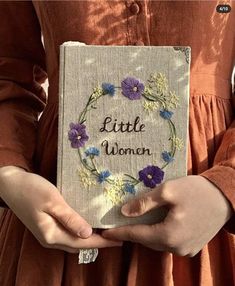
144	234
70	219
66	241
52	234
67	249
143	204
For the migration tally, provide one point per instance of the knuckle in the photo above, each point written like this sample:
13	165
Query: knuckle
47	240
179	218
50	202
166	193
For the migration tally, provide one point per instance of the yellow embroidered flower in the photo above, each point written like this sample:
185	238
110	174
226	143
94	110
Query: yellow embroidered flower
160	82
150	106
179	144
148	91
115	193
173	100
97	92
86	178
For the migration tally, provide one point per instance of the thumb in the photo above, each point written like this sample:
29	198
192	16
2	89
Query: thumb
70	219
143	204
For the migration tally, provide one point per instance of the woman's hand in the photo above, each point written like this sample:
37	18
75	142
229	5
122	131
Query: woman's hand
42	209
197	211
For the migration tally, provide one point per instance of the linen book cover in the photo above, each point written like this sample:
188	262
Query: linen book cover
123	121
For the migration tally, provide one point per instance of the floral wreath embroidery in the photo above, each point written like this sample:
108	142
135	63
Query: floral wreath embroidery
156	96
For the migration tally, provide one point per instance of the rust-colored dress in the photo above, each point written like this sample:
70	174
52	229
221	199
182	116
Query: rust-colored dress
25	142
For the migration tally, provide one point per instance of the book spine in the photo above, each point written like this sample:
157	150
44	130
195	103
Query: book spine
61	117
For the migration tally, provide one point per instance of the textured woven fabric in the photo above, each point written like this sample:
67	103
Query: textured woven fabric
128	137
33	145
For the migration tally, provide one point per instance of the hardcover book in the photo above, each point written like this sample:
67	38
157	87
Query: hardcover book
123	123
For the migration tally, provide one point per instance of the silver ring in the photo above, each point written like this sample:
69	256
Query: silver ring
87	255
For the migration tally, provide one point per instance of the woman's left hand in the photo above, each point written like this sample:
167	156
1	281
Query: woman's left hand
197	211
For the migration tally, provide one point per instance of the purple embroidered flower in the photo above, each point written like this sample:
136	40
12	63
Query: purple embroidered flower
77	135
151	176
166	156
103	175
129	188
92	151
166	114
108	88
132	88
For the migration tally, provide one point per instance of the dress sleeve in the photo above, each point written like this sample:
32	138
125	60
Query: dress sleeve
22	71
222	174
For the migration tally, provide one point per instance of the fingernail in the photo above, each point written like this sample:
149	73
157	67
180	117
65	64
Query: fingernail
85	233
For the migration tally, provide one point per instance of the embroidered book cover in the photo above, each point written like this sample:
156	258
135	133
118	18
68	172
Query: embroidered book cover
123	123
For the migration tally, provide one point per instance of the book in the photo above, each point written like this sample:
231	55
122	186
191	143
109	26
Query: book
123	126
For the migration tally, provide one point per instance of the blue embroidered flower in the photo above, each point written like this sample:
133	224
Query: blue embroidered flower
151	176
132	88
92	151
166	156
166	114
103	175
129	188
77	135
108	88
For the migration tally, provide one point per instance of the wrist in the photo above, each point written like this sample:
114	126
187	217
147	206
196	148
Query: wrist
9	170
6	174
225	203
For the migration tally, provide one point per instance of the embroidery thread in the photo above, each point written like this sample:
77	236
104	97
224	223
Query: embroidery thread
156	97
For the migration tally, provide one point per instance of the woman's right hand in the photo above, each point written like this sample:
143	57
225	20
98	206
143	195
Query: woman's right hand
42	209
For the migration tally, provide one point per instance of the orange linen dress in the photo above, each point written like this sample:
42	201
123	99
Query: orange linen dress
25	142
